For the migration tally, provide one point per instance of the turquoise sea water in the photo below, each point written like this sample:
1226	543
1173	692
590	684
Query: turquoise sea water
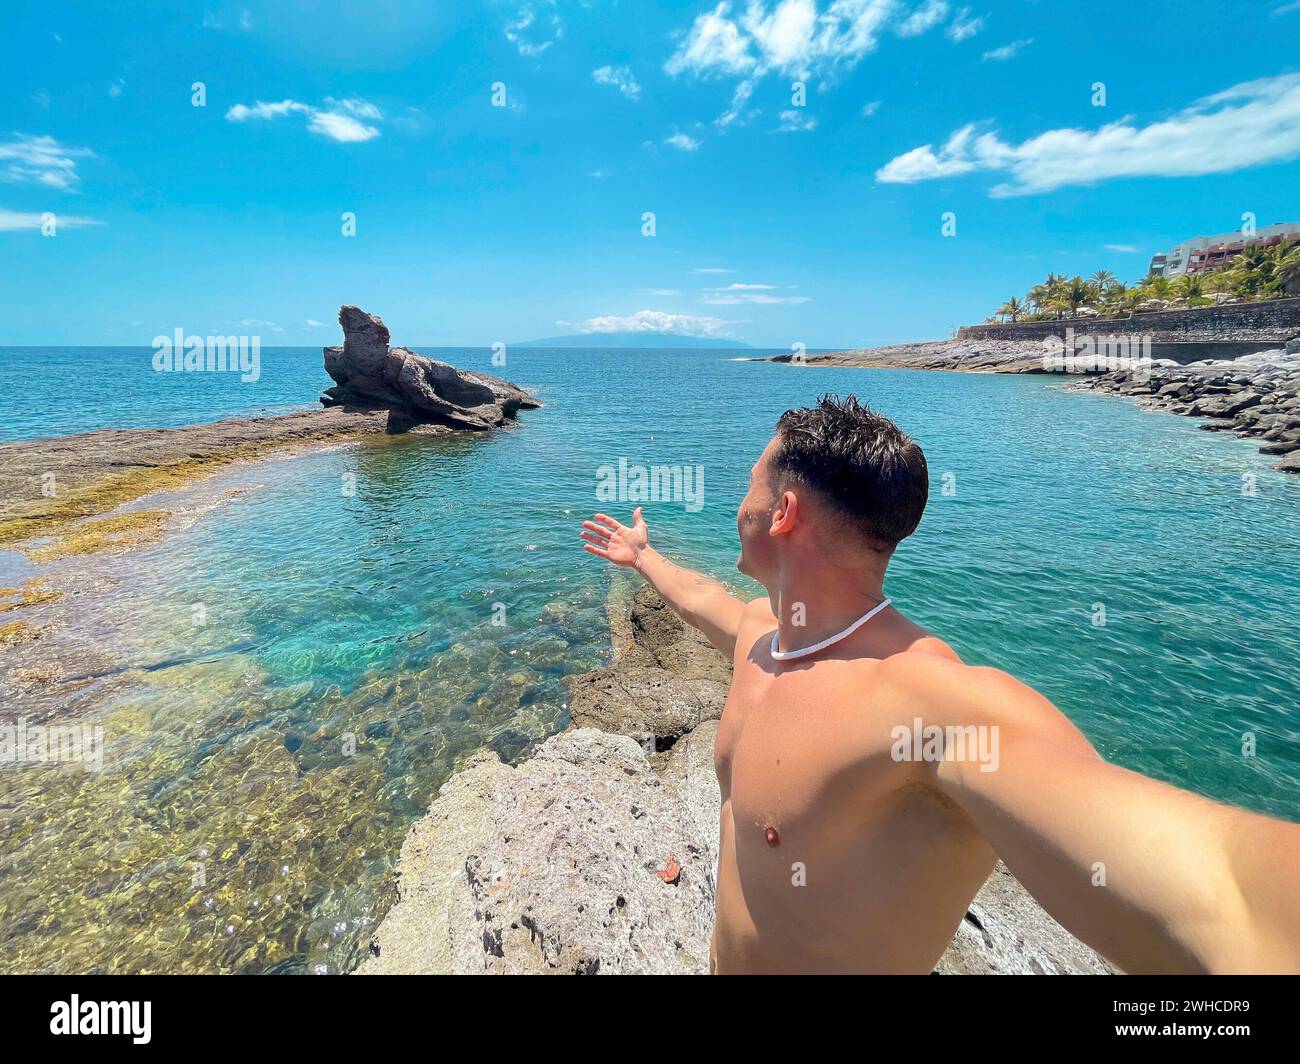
233	829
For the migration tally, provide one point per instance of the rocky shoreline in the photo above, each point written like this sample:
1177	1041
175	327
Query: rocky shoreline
962	356
1256	396
598	853
56	488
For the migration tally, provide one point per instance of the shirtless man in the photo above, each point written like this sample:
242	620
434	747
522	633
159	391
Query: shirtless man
847	845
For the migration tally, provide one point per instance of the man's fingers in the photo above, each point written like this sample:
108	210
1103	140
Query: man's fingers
600	530
637	519
608	521
596	551
595	540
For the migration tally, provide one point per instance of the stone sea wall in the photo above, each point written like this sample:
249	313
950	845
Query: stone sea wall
1268	321
598	854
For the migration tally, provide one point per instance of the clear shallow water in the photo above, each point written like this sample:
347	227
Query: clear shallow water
330	615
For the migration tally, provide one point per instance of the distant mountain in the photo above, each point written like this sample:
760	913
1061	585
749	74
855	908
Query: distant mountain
631	339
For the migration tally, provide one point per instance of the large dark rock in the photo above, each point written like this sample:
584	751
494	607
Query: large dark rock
418	390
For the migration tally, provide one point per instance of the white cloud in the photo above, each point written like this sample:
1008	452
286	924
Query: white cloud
796	120
1123	249
712	269
41	160
1250	124
964	25
11	221
312	323
339	120
1008	51
115	89
869	109
1286	9
242	112
532	35
923	18
762	294
713	45
620	77
228	20
924	164
738	113
343	128
654	321
682	141
792	37
661	292
355	107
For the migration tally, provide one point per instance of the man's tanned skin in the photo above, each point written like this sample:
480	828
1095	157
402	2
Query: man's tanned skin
891	852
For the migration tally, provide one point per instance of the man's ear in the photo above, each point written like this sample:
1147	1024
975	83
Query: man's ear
786	514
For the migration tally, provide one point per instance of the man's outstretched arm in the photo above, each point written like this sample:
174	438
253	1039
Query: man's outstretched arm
699	600
1152	877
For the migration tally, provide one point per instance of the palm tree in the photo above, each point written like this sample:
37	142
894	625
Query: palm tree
1159	286
1286	270
1118	297
1012	308
1076	292
1250	272
1191	287
1103	279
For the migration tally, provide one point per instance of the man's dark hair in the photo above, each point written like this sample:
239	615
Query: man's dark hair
860	461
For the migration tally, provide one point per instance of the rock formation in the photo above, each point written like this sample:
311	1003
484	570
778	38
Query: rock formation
417	390
598	853
1256	395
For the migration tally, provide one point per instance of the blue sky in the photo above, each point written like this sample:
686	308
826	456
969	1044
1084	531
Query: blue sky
818	224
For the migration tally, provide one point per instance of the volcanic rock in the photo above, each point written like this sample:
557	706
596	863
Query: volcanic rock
369	374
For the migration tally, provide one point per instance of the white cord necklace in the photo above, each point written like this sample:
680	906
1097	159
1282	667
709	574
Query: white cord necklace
790	655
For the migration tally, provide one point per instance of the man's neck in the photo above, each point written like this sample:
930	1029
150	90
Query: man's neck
813	604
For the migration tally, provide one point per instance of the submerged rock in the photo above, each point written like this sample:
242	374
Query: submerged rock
597	856
417	390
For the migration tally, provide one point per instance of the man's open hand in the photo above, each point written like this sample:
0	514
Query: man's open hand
606	538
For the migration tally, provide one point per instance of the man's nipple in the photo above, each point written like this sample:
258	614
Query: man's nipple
772	836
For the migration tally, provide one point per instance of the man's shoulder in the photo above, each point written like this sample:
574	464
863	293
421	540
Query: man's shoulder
759	611
943	689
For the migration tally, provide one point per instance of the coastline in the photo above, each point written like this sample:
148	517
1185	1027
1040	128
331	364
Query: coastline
962	356
1254	397
94	473
598	853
